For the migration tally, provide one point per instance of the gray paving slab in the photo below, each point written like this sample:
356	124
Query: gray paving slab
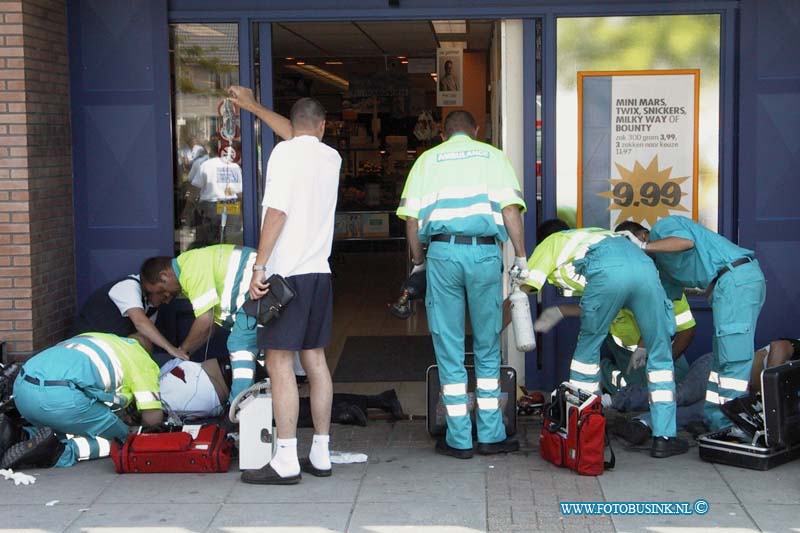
776	486
173	488
686	477
37	516
423	488
341	487
80	484
160	517
439	517
305	517
727	517
775	518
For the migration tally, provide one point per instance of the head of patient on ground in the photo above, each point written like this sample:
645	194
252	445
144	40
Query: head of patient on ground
159	280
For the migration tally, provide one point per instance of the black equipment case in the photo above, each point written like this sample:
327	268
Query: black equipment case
776	439
437	425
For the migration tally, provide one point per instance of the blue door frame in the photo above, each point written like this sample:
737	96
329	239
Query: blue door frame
555	349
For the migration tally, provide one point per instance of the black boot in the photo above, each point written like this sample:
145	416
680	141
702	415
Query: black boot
387	401
345	413
668	446
42	450
504	446
10	433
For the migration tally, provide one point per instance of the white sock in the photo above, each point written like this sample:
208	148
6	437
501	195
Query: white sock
319	455
285	461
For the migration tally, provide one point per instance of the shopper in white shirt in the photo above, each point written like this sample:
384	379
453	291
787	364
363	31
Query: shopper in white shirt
300	201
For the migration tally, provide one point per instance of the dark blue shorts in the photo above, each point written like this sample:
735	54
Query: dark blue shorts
306	321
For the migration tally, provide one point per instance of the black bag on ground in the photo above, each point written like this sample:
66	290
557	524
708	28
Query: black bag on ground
437	425
269	306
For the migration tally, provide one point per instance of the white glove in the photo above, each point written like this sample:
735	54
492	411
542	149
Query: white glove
548	319
519	272
638	359
633	238
605	399
417	268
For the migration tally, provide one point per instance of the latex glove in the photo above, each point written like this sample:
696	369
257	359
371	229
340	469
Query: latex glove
417	268
638	359
606	400
519	272
548	319
633	238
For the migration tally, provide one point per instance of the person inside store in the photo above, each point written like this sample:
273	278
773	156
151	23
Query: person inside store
66	393
462	198
301	188
215	279
689	255
122	307
609	274
448	81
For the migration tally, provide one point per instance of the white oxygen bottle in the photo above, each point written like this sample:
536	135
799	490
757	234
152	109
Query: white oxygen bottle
521	320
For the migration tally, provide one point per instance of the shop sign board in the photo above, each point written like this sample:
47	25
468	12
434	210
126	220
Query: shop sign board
637	146
449	77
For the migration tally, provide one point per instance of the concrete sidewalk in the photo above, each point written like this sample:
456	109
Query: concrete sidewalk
406	487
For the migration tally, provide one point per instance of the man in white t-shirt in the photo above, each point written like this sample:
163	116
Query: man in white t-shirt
122	308
300	201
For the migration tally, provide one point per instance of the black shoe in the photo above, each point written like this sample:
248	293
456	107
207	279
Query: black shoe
442	448
266	475
390	403
634	431
697	428
345	413
667	447
40	451
10	433
307	466
504	446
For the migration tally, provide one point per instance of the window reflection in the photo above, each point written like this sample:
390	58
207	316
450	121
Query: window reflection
208	174
638	43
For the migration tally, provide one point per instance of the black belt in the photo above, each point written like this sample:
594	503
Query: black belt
725	270
462	239
47	382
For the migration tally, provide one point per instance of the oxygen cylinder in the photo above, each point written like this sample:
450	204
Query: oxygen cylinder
521	320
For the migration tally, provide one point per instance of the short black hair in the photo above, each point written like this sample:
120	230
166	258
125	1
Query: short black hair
152	267
550	226
307	113
630	225
460	122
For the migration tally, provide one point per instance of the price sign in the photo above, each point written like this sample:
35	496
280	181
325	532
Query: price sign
638	146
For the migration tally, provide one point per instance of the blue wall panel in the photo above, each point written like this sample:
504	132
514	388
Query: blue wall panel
122	147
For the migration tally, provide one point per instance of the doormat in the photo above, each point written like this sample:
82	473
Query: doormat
390	358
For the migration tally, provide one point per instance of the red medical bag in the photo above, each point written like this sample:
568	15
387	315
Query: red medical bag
196	449
574	431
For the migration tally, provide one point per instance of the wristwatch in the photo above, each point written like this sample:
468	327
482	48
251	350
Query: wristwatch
257	268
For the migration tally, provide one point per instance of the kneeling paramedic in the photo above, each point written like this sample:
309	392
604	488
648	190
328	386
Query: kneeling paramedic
216	280
67	392
462	198
611	274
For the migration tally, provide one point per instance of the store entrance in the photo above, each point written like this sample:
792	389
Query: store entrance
386	87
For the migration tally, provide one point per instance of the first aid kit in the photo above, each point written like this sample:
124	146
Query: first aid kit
766	430
195	449
574	431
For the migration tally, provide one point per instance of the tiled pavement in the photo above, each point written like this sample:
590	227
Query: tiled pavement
405	487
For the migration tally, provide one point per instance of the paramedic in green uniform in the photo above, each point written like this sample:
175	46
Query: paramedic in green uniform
611	274
690	255
461	199
65	392
216	280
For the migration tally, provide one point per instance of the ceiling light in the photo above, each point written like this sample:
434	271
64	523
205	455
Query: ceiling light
401	57
321	74
301	62
289	59
461	45
334	63
450	26
404	62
